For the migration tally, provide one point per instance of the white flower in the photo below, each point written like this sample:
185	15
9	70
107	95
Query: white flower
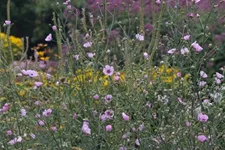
139	37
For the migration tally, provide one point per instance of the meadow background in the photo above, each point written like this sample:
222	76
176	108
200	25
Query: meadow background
122	74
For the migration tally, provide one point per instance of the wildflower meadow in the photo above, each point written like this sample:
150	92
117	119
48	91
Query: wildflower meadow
115	75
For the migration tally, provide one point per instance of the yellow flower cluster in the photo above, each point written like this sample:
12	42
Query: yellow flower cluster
17	44
166	74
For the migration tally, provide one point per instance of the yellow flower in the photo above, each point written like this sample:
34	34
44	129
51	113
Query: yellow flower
21	92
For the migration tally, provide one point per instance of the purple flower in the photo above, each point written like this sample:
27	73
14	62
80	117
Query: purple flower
202	138
202	117
47	112
108	70
49	38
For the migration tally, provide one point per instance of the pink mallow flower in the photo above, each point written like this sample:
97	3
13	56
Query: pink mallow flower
54	28
88	44
202	138
187	37
108	98
85	128
108	70
197	47
125	117
219	76
108	128
23	112
41	122
5	107
49	38
203	74
47	112
139	37
7	22
202	117
38	84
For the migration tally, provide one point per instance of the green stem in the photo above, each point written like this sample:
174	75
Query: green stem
157	33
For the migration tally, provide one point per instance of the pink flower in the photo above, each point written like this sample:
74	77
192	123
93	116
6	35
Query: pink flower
137	142
139	37
75	116
188	124
76	57
9	132
108	70
203	74
33	136
85	128
7	22
171	51
88	44
141	127
108	98
12	142
158	1
145	54
123	148
23	112
218	81
197	47
49	38
38	84
30	73
125	117
41	122
96	96
203	117
91	55
202	138
47	112
5	107
197	1
108	128
202	83
179	74
54	28
184	51
53	128
187	37
117	78
219	76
